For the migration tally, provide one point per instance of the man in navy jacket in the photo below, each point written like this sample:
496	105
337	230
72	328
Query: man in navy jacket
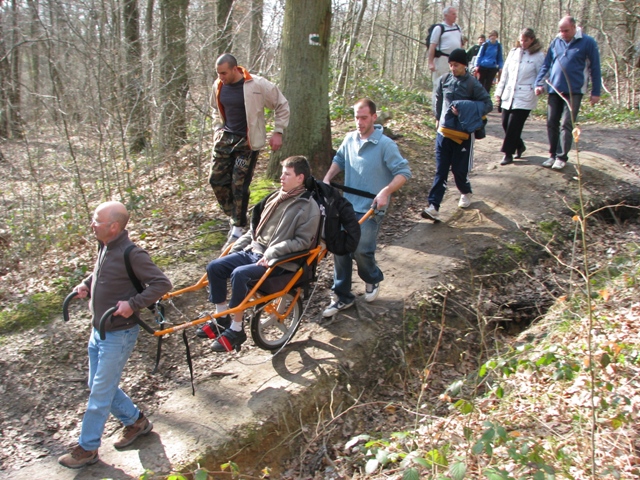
571	58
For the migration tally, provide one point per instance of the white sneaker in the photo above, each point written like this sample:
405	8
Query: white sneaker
336	307
558	164
465	200
430	213
548	163
372	290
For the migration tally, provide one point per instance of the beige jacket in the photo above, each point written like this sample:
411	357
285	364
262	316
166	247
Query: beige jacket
259	93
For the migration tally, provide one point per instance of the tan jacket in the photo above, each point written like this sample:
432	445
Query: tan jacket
259	93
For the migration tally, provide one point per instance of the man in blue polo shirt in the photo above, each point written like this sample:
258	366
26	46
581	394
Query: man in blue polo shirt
371	162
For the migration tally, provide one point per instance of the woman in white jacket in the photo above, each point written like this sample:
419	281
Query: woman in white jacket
515	93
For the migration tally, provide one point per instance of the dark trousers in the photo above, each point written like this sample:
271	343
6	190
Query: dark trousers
512	124
455	157
486	76
560	121
231	174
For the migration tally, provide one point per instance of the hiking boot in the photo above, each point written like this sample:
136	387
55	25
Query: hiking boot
78	457
507	159
229	340
214	328
371	292
336	307
558	164
142	426
430	213
548	163
520	151
465	200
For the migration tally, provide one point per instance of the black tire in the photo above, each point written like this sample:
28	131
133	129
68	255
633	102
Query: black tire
267	331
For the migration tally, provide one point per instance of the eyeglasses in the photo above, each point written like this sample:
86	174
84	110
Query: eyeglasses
94	222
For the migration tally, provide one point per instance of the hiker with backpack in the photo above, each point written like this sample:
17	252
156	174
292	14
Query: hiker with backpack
371	162
110	285
442	39
284	222
459	104
489	61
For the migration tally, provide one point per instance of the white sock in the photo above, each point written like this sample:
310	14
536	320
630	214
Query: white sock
237	231
236	326
221	307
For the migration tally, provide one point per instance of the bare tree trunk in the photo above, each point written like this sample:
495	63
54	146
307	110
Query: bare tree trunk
305	84
224	42
346	60
137	120
174	84
255	34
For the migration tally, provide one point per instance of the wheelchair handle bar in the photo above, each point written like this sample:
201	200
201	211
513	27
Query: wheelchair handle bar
107	315
65	305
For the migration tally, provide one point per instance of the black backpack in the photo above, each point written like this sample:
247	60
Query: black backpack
430	31
341	227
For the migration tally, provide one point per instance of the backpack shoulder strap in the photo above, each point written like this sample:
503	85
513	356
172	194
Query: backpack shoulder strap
127	264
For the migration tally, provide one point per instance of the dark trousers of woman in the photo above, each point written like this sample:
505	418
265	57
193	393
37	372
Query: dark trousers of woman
512	124
486	77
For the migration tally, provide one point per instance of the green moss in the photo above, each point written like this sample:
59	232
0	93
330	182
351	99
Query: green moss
260	188
37	309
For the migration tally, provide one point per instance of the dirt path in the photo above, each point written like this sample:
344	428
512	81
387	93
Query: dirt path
253	396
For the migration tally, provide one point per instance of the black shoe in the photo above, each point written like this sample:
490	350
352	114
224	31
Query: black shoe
214	328
507	159
520	151
229	340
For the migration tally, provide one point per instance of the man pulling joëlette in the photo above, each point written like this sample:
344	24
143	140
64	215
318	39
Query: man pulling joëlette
110	286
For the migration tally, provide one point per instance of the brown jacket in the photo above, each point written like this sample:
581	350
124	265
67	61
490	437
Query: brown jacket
110	283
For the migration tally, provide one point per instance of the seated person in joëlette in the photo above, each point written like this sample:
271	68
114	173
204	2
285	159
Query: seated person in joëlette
284	222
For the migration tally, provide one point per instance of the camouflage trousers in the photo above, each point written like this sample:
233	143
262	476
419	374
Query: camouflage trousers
231	174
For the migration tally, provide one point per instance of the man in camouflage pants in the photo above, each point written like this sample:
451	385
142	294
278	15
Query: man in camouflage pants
238	102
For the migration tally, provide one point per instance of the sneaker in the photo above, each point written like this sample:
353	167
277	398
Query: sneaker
465	200
336	307
558	164
507	159
520	151
78	457
548	163
214	328
371	292
430	213
229	340
142	426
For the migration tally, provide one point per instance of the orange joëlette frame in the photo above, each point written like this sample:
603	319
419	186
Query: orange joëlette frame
313	255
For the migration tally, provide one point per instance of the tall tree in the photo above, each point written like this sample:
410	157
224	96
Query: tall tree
305	83
174	83
223	22
137	120
255	33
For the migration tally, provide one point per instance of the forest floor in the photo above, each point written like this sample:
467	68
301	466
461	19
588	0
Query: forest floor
43	370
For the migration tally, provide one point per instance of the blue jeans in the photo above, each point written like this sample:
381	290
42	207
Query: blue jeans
241	268
454	156
107	359
364	256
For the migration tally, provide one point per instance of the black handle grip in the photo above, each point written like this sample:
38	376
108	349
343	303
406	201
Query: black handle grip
103	322
65	305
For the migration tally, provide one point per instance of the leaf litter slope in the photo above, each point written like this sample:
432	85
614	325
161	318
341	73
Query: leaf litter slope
44	370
